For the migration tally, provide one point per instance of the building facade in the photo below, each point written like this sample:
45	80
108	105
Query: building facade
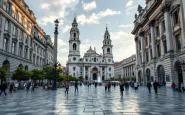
159	37
93	66
125	68
22	41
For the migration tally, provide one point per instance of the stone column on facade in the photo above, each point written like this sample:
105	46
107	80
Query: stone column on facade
167	20
2	32
10	40
161	42
89	73
136	43
182	23
141	35
84	73
151	24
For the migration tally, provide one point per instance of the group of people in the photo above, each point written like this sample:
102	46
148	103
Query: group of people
30	86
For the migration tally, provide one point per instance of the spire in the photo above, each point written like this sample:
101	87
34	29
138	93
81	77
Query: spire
74	18
90	48
106	27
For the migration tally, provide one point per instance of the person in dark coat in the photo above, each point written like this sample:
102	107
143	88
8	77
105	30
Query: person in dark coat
28	86
149	85
3	87
155	85
76	86
121	88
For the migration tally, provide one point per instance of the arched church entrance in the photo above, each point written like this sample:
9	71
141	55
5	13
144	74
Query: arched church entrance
86	78
95	72
178	68
103	78
95	76
161	74
148	75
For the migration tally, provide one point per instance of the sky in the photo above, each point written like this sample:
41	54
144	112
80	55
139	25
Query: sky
92	17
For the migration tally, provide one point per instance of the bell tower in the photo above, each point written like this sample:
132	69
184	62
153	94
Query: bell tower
74	42
107	45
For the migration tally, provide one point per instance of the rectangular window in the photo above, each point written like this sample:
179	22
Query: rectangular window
165	48
158	50
7	25
146	41
178	42
22	20
17	15
30	55
26	39
25	53
13	48
14	30
5	45
21	35
146	56
157	31
151	56
20	51
8	8
176	17
163	26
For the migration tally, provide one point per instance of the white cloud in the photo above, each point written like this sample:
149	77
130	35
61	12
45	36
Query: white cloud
66	29
125	26
61	43
131	10
123	45
129	3
89	6
58	9
94	18
45	6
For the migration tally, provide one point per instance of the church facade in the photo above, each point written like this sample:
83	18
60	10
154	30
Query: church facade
93	66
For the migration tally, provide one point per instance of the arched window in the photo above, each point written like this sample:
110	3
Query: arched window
74	46
74	35
108	50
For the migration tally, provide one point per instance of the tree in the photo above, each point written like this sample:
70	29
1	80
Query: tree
37	74
81	78
48	72
3	73
20	74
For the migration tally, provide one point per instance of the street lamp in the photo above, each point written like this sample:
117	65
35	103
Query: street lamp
55	53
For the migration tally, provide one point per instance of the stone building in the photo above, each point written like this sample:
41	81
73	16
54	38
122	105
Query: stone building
159	37
22	41
125	68
93	66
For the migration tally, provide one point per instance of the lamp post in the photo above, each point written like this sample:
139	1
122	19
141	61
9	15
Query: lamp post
55	53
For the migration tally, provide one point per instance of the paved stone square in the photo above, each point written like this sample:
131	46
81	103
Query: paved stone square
93	101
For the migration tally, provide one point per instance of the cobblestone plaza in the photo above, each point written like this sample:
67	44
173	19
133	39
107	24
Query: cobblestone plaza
93	101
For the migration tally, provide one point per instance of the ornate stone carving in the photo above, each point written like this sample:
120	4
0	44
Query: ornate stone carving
165	8
142	33
6	35
151	23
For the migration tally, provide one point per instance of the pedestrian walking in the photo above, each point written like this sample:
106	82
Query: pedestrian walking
106	85
3	87
33	86
11	87
67	87
121	88
28	87
135	85
155	85
182	87
149	85
76	86
109	86
173	86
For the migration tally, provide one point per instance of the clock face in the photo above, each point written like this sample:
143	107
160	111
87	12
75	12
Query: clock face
74	58
109	60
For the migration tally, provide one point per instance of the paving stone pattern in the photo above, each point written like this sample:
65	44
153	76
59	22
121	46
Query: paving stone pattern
93	101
